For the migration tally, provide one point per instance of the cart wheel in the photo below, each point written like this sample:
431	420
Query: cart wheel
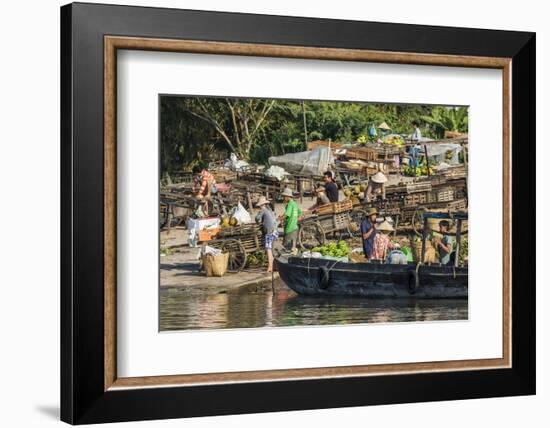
417	221
356	216
311	235
237	254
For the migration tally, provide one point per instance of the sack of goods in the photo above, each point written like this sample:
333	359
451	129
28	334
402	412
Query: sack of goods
215	264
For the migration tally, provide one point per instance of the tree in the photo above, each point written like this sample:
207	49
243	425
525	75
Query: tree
447	118
238	121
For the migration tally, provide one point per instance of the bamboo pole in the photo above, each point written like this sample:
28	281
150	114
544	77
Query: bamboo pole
458	239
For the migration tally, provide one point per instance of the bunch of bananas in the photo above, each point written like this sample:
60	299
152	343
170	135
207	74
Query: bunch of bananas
334	249
412	171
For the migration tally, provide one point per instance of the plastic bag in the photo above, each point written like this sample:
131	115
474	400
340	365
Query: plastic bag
235	164
207	249
314	162
242	215
277	172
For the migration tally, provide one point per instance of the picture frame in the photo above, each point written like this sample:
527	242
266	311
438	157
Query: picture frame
91	391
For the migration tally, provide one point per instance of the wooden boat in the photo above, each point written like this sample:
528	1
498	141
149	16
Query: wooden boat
322	277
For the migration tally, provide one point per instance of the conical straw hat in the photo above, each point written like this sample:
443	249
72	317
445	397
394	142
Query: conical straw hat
379	177
384	126
385	227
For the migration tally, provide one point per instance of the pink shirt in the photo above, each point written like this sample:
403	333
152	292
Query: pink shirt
380	246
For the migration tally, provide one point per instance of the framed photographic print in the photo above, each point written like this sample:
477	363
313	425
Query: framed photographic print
266	213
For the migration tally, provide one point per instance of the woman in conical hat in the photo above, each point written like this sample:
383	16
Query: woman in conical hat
384	126
385	227
379	178
376	185
382	242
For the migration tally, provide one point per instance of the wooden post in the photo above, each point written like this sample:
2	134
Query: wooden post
424	233
305	124
249	200
458	239
396	225
427	160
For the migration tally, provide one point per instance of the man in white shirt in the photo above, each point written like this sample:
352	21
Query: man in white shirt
416	135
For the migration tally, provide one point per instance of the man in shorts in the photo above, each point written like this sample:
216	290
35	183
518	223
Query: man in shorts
290	220
266	217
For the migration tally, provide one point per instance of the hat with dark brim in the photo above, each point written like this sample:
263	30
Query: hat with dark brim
372	211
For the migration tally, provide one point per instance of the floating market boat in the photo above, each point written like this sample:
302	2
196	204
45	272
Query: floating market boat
324	277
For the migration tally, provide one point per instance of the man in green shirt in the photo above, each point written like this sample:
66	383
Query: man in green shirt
290	220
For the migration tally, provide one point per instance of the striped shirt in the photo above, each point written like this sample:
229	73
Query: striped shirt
207	181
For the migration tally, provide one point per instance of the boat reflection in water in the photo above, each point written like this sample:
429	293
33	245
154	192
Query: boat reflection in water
181	310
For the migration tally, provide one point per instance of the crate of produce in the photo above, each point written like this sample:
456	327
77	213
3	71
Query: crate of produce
335	207
416	199
445	195
418	186
361	153
454	172
208	234
341	221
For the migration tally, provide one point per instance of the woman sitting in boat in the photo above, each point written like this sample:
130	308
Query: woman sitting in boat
382	242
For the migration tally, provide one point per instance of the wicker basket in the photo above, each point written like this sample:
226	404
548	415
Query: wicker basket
429	256
215	265
243	229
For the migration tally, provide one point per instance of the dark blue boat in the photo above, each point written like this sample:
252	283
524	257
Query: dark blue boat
321	277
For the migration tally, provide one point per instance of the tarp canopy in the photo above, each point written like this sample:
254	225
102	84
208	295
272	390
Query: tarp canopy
312	162
443	152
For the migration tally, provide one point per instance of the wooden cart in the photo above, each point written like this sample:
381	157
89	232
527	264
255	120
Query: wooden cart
239	242
338	220
406	202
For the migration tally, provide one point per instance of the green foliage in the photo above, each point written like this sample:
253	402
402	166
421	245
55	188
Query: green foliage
447	119
202	129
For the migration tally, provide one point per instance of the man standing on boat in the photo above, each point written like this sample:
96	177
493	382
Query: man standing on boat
445	244
368	232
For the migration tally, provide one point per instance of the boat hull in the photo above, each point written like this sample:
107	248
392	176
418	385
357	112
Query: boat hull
320	277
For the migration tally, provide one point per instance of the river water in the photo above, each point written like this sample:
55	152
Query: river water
181	310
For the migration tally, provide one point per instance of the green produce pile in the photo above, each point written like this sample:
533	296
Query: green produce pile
463	253
411	171
355	190
256	259
164	251
333	249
